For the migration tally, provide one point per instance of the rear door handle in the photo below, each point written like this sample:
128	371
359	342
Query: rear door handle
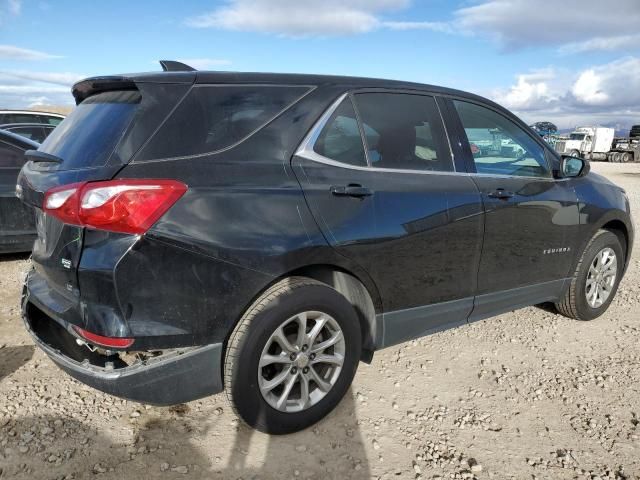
357	191
501	194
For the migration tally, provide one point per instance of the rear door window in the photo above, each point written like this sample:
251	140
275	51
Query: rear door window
88	136
214	117
404	131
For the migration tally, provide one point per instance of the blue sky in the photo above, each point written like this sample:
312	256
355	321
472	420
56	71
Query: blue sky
570	63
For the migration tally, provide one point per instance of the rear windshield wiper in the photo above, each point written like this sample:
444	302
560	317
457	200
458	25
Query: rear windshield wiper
38	157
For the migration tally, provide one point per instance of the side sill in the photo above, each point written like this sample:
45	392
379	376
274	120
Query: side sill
492	304
403	325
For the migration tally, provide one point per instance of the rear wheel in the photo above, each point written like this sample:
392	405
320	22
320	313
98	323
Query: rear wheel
292	356
595	281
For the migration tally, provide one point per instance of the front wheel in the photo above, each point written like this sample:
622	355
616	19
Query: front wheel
292	356
595	281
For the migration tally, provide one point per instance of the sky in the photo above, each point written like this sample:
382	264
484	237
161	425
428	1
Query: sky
572	62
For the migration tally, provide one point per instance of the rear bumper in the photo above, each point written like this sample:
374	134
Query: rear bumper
179	376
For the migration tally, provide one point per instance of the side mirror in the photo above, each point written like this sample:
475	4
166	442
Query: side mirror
571	167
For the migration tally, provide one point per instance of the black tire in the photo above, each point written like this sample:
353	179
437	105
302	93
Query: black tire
278	303
574	303
574	153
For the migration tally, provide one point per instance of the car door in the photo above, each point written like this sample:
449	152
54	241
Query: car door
531	218
397	206
17	222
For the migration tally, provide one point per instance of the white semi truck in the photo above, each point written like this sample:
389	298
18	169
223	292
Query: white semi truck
599	143
592	143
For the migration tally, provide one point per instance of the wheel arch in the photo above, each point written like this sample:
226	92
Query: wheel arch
366	303
361	293
620	230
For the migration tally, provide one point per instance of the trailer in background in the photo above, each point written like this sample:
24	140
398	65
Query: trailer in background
626	149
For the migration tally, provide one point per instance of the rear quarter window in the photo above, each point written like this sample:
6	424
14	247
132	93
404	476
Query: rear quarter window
215	117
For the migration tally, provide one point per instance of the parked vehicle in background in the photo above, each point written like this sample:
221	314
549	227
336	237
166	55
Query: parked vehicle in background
17	220
544	128
263	233
28	116
592	143
547	130
33	131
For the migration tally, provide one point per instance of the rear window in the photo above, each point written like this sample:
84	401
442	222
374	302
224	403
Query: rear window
88	136
214	117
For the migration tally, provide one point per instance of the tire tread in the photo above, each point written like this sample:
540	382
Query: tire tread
567	306
278	289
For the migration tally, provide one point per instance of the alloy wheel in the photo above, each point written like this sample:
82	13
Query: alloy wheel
601	277
301	361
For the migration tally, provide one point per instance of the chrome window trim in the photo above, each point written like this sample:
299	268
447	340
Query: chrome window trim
305	150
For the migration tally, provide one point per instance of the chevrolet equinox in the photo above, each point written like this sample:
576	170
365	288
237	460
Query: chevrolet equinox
264	233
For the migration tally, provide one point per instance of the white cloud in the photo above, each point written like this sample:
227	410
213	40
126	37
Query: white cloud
11	52
531	89
631	42
299	17
20	89
570	25
442	27
608	93
205	63
614	85
64	78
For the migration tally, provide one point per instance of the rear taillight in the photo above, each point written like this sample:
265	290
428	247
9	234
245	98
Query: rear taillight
126	206
113	342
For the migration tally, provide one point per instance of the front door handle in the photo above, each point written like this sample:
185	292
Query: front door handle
501	194
352	190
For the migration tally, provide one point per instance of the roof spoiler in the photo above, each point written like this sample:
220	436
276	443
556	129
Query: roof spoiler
173	66
91	86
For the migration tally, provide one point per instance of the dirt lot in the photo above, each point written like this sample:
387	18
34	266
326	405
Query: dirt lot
529	394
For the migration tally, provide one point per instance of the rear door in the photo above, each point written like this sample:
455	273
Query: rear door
531	220
399	207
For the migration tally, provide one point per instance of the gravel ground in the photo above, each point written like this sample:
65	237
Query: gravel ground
529	394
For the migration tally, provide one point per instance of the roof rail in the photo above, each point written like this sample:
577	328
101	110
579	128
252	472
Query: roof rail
173	66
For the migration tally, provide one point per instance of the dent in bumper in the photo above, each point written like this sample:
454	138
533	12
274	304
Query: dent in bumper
177	377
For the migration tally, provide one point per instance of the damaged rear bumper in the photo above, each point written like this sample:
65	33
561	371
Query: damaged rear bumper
175	376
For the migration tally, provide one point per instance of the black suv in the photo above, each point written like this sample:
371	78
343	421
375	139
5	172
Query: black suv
263	233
